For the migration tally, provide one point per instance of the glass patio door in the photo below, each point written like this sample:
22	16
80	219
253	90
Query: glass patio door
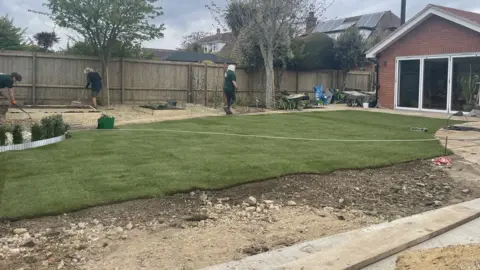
465	83
408	84
435	84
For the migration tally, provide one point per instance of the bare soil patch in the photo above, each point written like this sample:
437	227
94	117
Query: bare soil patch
462	257
198	229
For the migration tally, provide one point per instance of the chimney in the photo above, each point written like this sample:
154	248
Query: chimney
311	21
218	31
402	12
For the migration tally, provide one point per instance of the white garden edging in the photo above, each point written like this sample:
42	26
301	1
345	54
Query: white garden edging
30	145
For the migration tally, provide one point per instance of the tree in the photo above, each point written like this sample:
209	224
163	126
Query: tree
190	42
316	51
271	23
11	37
46	40
119	50
349	50
104	22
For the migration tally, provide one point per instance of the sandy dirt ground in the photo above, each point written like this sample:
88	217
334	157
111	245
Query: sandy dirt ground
464	257
199	229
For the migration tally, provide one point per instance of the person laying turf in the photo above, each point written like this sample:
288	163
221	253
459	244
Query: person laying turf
7	81
229	87
93	79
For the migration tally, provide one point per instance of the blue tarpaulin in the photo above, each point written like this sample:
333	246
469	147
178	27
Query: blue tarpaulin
320	95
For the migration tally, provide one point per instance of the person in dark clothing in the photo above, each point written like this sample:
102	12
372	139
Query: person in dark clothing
229	88
95	81
7	81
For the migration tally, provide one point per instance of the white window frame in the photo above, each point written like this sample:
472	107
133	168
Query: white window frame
422	58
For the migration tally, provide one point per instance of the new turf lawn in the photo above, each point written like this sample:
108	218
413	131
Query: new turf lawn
96	167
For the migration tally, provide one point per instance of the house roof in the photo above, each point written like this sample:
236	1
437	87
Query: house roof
467	19
366	21
220	37
161	53
182	56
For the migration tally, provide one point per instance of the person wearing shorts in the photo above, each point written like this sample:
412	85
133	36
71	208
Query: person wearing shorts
229	88
95	81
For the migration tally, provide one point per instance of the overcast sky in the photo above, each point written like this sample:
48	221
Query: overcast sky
185	16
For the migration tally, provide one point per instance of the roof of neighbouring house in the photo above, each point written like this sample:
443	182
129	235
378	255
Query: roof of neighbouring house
467	19
161	54
218	37
182	56
367	21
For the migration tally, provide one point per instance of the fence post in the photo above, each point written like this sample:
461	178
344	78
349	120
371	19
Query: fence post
190	84
249	85
296	82
122	78
34	78
205	84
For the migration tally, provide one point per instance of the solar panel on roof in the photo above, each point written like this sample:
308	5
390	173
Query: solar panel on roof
373	21
319	28
335	25
344	26
328	26
363	20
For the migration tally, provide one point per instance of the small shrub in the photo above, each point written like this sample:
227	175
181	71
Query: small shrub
48	128
58	125
3	135
37	132
17	135
53	126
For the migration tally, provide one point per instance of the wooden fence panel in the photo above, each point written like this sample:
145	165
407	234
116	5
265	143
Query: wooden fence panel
59	79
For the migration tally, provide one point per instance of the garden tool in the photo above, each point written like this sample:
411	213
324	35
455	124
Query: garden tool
16	105
78	102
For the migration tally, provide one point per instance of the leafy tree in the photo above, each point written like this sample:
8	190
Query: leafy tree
237	16
270	23
190	42
120	49
103	22
46	40
349	50
316	51
11	37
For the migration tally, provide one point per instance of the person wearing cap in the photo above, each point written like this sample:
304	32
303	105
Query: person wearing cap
7	81
229	88
95	81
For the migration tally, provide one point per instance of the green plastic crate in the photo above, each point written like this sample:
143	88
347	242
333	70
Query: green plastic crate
106	123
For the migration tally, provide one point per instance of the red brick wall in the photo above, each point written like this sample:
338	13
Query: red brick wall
434	36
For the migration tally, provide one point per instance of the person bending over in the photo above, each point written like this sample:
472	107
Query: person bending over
7	81
229	88
95	81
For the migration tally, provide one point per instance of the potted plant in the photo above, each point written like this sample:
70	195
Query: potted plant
470	86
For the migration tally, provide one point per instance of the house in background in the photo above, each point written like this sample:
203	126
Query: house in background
381	24
215	43
431	62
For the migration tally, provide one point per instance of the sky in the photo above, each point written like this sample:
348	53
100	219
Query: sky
185	16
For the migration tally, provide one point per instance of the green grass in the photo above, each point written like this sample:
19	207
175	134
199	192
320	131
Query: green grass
97	167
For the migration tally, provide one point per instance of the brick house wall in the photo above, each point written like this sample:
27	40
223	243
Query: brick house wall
434	36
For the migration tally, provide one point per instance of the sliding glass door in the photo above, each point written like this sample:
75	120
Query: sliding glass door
444	83
465	83
435	84
408	83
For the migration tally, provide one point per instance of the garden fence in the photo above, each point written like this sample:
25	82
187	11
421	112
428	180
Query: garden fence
50	78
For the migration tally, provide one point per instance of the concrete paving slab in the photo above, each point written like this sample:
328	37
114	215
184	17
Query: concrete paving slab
360	248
